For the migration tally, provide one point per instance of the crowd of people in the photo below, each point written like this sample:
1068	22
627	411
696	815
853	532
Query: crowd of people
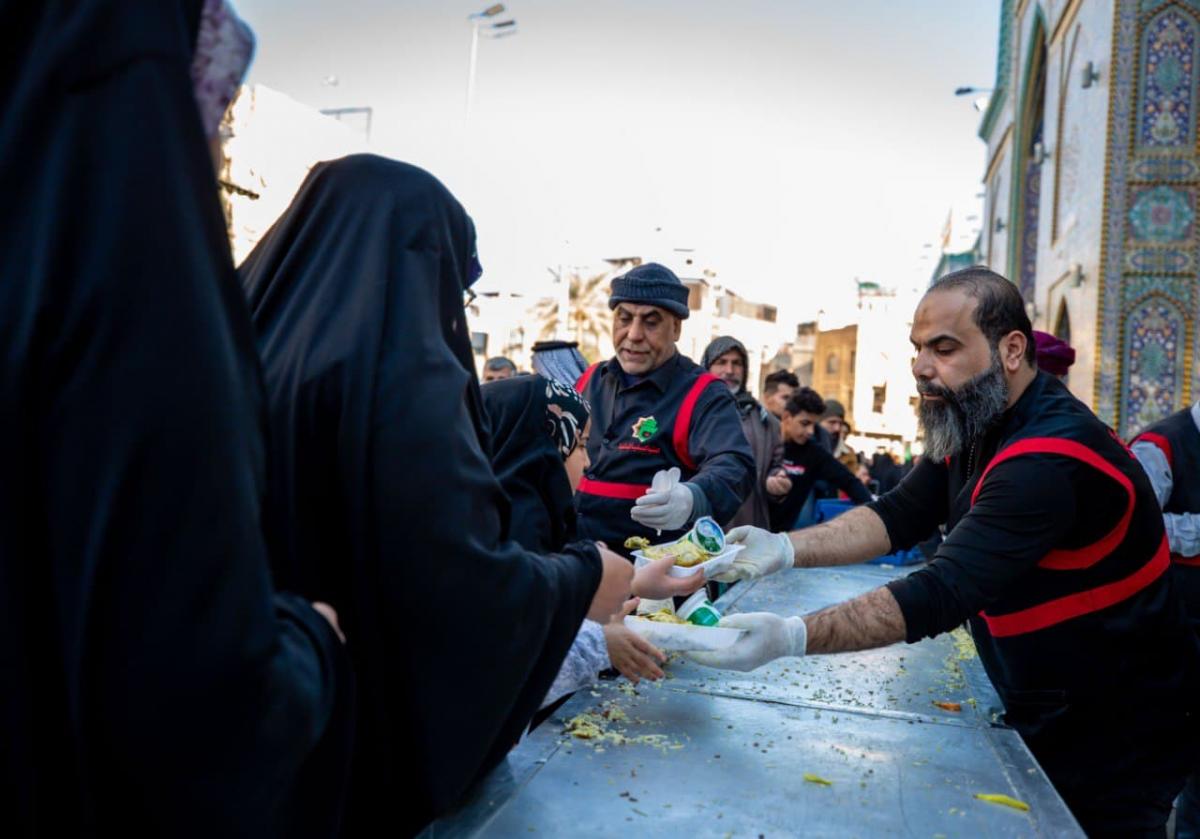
274	563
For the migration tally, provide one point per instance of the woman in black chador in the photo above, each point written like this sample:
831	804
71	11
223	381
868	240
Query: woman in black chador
151	682
383	497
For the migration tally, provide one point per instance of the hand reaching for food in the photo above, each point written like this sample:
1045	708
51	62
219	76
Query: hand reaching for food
655	582
633	656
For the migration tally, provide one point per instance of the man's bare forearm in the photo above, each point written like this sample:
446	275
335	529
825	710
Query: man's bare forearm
871	620
855	536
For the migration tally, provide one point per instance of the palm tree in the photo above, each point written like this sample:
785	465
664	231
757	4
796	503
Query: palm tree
588	317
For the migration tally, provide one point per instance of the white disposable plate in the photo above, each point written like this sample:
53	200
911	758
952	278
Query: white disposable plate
715	564
683	637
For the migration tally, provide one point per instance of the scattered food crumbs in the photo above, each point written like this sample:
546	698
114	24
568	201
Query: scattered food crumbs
817	779
1003	800
949	706
640	813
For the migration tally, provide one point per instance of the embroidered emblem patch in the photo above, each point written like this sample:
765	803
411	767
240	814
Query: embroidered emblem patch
645	428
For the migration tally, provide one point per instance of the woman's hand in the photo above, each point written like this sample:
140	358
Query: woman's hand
634	656
654	581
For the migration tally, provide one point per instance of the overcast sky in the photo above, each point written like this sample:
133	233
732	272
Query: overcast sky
796	145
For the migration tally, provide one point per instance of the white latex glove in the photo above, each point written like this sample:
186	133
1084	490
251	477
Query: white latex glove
667	505
765	553
767	637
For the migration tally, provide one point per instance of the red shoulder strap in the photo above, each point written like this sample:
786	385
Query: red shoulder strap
683	421
1089	555
1159	442
582	382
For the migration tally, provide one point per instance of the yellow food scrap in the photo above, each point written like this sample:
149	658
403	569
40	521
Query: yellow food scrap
1004	800
637	543
614	714
594	727
663	615
949	706
817	779
964	645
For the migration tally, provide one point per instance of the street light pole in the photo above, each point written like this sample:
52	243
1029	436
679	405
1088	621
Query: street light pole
479	21
471	65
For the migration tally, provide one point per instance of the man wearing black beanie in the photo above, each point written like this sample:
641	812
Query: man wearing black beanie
657	418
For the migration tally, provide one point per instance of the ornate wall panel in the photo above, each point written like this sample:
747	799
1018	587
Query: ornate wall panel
1147	324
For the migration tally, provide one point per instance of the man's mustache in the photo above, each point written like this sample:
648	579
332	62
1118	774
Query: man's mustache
926	388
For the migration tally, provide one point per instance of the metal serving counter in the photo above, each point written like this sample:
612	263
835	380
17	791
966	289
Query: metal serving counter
846	745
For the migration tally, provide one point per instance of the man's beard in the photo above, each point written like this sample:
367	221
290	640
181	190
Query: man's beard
963	415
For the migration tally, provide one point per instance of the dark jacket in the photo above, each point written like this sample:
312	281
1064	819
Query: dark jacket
637	430
762	432
805	465
384	501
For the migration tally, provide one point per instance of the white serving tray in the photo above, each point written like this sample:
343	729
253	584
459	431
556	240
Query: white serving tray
715	564
683	637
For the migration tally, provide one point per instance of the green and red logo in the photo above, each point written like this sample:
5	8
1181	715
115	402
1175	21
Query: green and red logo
645	428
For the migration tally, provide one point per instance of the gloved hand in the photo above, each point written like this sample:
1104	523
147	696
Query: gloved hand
667	505
767	637
765	553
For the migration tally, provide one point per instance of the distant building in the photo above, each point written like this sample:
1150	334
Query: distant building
885	398
503	324
1093	184
796	356
717	310
867	366
270	142
834	358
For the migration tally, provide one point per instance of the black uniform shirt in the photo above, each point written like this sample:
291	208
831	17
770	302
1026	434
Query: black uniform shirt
805	465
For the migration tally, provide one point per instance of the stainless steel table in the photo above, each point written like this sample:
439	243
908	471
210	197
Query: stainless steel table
727	754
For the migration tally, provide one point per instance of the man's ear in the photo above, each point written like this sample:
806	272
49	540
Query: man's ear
678	327
1012	350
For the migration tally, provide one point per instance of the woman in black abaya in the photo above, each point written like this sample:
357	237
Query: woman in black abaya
538	441
539	434
151	682
383	498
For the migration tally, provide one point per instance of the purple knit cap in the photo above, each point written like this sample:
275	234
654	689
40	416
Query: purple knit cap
1053	355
